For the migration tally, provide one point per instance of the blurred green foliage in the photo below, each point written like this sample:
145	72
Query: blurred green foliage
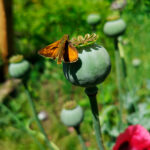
38	23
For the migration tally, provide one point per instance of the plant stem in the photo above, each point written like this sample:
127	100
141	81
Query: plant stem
91	93
93	28
118	74
21	125
119	46
77	128
36	117
124	68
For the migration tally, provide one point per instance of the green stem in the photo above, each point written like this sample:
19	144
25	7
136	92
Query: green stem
94	28
36	117
91	93
119	47
77	128
124	68
21	125
118	74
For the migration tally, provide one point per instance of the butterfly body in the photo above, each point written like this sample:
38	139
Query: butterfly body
61	49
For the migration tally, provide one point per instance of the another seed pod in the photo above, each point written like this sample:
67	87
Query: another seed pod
115	26
18	67
93	19
92	67
72	114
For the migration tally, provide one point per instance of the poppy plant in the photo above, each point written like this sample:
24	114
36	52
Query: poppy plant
135	137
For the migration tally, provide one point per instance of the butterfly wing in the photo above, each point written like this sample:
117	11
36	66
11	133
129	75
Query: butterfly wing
51	50
70	54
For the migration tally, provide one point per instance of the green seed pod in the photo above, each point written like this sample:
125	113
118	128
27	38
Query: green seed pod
114	28
93	19
72	116
92	67
18	67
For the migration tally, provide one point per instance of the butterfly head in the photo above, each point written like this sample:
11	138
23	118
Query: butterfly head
65	37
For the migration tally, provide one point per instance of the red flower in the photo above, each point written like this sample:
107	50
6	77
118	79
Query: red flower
135	137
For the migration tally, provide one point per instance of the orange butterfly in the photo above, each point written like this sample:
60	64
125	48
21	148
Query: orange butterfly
61	49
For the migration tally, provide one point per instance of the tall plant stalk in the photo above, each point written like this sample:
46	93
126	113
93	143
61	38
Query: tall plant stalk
118	74
122	57
81	140
91	93
36	117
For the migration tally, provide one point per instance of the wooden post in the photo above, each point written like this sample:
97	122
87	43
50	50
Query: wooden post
5	33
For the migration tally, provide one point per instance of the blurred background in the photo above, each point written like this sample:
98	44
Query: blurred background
29	25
